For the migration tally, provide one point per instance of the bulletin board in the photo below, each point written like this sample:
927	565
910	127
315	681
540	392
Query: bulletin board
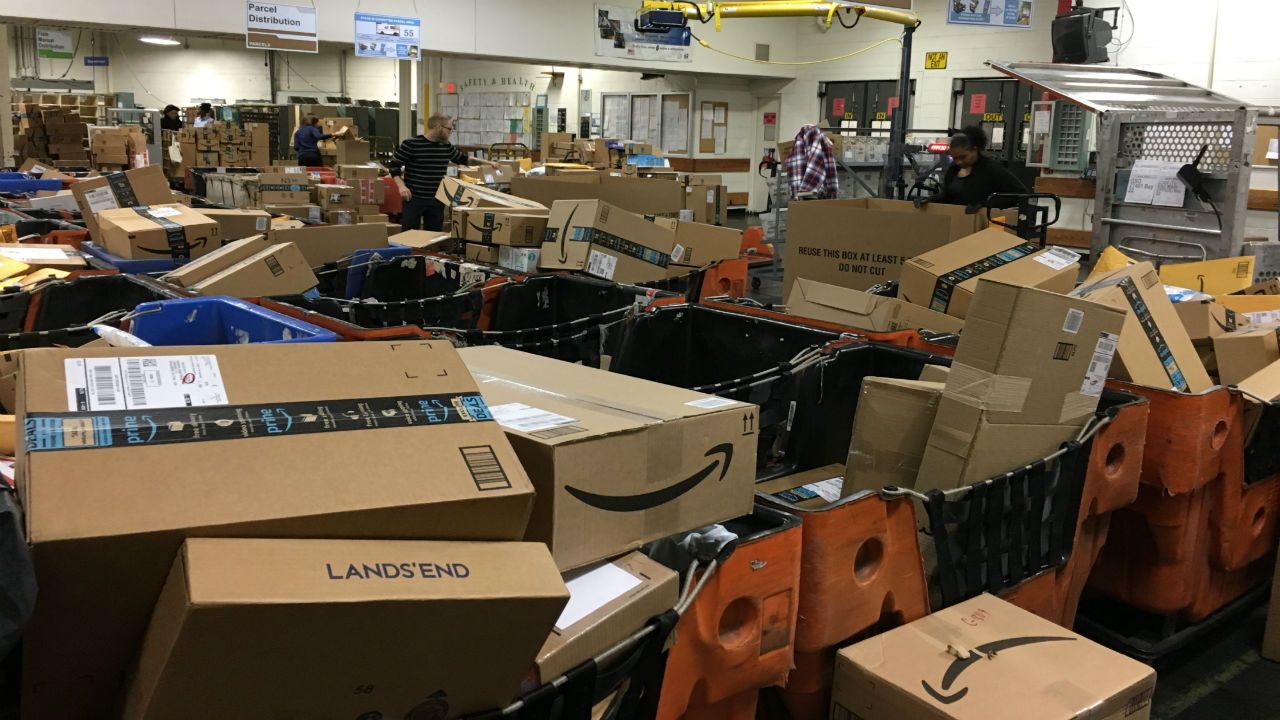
713	135
485	118
675	123
645	123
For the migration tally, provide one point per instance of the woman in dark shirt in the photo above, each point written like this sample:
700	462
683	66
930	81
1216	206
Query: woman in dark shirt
170	120
973	176
306	142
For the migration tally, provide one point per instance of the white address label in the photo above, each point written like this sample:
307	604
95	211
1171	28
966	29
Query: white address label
1057	258
1099	365
144	383
711	403
525	418
601	264
100	199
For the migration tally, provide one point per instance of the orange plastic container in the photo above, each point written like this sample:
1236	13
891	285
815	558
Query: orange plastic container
727	277
860	573
737	636
1198	536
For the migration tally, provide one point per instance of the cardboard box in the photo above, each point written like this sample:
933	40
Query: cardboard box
698	245
217	261
677	459
856	309
240	222
159	231
310	213
986	658
1214	277
935	373
891	429
286	476
420	239
944	279
812	489
341	217
350	152
523	228
283	189
141	186
477	252
1246	351
1027	376
1205	320
637	195
456	193
244	628
605	241
330	243
523	260
1155	349
277	270
357	172
607	603
58	257
1265	143
337	197
860	243
1266	287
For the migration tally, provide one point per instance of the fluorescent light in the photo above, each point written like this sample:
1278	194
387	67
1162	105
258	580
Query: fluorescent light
158	40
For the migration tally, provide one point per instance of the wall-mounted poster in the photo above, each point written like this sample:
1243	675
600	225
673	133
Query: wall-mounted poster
616	36
992	13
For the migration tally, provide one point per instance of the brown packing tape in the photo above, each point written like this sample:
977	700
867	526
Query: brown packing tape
987	391
888	461
482	376
951	441
1077	405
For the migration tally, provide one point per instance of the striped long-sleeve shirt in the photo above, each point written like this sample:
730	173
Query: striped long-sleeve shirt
426	162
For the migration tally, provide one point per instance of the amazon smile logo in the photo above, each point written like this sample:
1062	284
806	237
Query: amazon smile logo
959	665
645	501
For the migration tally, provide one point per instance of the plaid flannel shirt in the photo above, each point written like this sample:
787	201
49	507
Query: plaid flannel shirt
811	166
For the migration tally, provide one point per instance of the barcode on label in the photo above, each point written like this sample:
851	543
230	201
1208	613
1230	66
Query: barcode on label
1064	351
1099	365
1075	318
601	264
556	432
485	469
135	383
104	388
1057	258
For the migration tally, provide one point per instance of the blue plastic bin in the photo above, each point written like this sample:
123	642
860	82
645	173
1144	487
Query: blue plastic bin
127	266
220	321
12	182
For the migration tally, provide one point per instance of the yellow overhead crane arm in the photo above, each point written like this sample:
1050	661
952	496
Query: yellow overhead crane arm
781	8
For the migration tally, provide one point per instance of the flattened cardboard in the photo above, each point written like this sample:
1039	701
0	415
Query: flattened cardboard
1245	352
642	196
1266	287
102	549
935	373
37	256
456	193
1213	277
420	239
217	261
814	489
1205	320
1155	349
330	243
616	615
277	270
891	430
245	628
1027	375
160	231
859	243
1263	384
602	240
238	223
1028	667
677	459
311	213
140	186
524	228
944	279
856	309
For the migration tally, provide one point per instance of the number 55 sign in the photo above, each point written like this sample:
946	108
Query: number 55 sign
388	36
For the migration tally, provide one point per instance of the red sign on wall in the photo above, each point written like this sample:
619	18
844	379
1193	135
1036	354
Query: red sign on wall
977	103
837	106
893	103
771	118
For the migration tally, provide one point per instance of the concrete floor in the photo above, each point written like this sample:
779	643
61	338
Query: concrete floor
1220	678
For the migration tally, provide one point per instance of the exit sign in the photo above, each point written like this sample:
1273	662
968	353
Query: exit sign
935	61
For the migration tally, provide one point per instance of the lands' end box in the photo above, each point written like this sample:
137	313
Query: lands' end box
944	279
986	659
355	440
249	628
617	461
160	231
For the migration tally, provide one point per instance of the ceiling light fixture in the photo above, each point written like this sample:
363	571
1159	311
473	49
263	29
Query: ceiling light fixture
159	40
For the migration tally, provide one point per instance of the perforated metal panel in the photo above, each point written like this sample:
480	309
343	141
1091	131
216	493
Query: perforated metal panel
1069	148
1179	142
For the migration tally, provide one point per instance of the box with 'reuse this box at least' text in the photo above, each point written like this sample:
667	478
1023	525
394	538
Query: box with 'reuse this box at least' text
247	627
676	459
303	440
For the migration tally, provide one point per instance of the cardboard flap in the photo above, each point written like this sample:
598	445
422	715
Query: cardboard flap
837	298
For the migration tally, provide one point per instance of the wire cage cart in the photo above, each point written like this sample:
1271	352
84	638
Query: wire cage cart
1206	137
774	222
509	151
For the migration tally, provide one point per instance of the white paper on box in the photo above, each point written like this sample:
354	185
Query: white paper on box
1273	149
34	254
100	199
525	418
1057	258
602	264
163	212
1075	318
1096	378
1263	317
677	252
711	403
592	590
144	383
828	490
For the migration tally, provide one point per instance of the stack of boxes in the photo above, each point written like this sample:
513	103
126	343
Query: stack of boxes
56	134
225	145
116	148
347	149
30	138
558	147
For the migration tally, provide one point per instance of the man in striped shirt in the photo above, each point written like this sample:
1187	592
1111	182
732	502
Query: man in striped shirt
425	160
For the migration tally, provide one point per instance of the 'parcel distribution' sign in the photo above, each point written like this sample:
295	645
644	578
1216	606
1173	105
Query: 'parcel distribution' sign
277	26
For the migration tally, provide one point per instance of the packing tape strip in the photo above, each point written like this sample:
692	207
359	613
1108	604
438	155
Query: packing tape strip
987	391
122	190
141	427
1154	337
1076	406
630	248
175	235
948	282
483	375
